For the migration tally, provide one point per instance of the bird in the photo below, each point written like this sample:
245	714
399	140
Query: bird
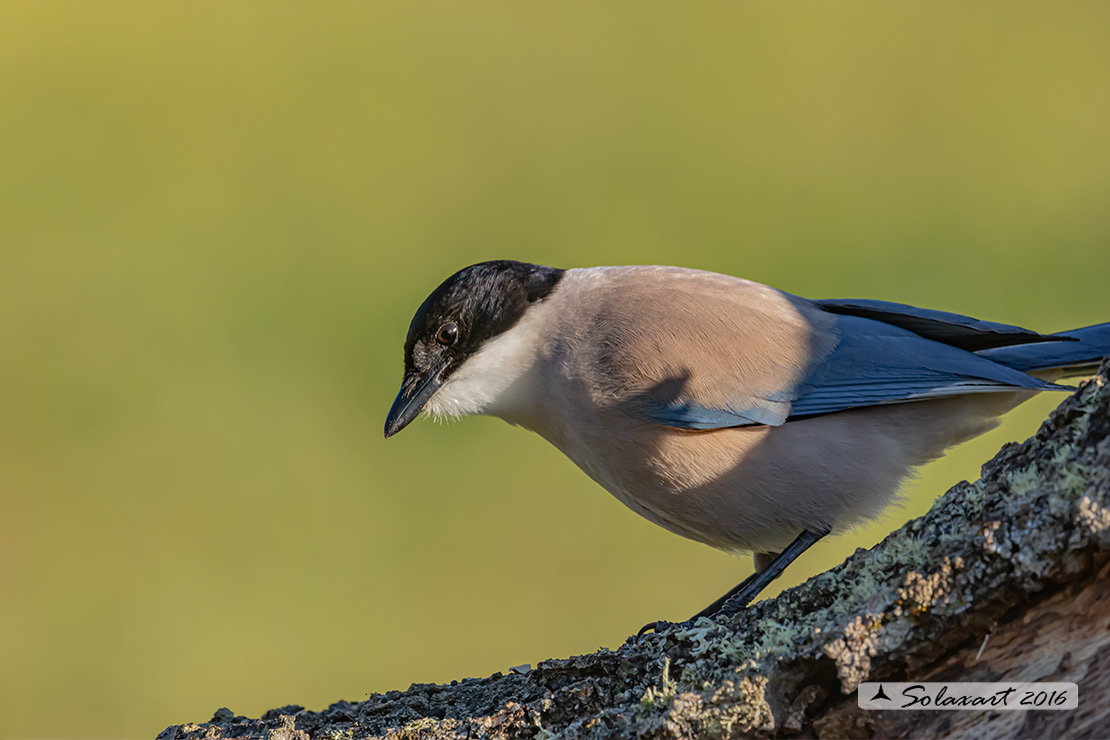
724	410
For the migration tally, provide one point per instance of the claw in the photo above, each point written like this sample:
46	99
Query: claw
653	627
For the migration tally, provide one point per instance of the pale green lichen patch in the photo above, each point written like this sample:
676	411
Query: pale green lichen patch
1023	482
660	695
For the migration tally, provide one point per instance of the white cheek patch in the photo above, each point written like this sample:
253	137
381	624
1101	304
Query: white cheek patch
490	381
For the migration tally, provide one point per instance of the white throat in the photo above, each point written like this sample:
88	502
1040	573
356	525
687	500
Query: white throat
496	380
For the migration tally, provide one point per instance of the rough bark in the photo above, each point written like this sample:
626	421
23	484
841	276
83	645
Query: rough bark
1021	555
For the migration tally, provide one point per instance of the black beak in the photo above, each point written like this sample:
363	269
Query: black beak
415	392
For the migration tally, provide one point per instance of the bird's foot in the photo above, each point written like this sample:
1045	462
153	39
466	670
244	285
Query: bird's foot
657	627
736	603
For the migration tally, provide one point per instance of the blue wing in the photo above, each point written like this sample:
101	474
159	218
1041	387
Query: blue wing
690	415
947	328
877	362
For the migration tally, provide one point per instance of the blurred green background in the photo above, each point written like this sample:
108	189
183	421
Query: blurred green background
217	220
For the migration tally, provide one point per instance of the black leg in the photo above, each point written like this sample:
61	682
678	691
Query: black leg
743	594
715	607
769	566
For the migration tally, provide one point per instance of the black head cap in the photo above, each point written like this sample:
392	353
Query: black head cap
469	308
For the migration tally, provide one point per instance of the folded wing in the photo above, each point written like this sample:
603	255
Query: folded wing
881	353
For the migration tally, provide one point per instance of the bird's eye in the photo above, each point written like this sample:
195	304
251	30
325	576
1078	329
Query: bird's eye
447	334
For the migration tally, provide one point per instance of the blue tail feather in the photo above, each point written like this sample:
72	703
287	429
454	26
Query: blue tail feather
1079	352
